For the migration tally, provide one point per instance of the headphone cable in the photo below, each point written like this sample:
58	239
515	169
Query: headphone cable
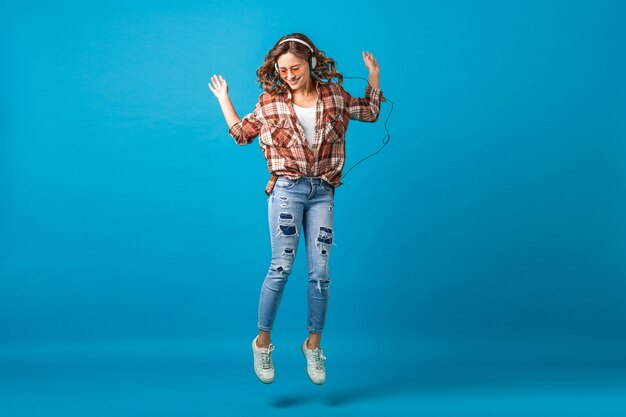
386	138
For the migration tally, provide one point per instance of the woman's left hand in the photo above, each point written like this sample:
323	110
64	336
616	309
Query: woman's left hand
370	62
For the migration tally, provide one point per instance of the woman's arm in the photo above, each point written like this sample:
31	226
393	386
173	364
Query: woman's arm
243	131
373	68
366	109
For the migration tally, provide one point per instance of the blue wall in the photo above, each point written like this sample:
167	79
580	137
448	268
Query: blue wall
495	214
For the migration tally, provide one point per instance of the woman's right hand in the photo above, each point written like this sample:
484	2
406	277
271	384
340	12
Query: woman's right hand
219	87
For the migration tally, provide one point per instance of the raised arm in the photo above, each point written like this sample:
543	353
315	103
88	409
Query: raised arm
366	109
242	130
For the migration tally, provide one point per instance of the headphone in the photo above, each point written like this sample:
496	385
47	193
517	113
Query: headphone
313	60
313	63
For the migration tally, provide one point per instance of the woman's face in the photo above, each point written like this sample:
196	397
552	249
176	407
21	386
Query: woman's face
293	70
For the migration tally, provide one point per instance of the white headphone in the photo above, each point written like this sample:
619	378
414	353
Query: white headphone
313	60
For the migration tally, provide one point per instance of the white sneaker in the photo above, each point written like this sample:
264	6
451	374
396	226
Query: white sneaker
263	364
314	364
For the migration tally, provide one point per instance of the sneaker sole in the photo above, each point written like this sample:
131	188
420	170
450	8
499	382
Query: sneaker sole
263	381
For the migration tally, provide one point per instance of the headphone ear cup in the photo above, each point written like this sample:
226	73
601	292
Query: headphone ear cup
313	62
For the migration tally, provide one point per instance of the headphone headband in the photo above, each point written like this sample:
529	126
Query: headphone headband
297	40
313	59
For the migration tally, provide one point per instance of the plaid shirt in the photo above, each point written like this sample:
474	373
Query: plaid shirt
282	137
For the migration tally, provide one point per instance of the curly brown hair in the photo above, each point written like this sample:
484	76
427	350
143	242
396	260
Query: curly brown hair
269	79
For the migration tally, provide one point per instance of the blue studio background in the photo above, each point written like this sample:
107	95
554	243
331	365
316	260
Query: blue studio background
479	264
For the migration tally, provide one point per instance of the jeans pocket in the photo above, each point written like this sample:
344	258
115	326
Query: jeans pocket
285	183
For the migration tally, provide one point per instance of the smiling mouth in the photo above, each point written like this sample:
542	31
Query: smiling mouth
294	81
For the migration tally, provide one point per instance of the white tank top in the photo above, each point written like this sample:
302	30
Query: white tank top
306	117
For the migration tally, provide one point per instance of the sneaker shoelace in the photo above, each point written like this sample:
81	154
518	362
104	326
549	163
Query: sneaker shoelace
266	357
318	358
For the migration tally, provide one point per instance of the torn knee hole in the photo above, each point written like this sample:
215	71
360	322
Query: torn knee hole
288	230
286	225
325	235
323	284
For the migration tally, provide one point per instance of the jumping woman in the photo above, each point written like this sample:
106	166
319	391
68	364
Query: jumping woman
301	119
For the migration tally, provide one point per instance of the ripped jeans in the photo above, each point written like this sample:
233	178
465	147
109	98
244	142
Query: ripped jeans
305	204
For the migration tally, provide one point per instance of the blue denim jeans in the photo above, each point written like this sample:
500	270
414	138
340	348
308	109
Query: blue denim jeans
296	206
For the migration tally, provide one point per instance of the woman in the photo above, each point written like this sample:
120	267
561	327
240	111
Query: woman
301	119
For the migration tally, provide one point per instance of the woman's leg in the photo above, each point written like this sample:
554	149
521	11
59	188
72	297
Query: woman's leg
314	340
318	226
264	339
285	211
